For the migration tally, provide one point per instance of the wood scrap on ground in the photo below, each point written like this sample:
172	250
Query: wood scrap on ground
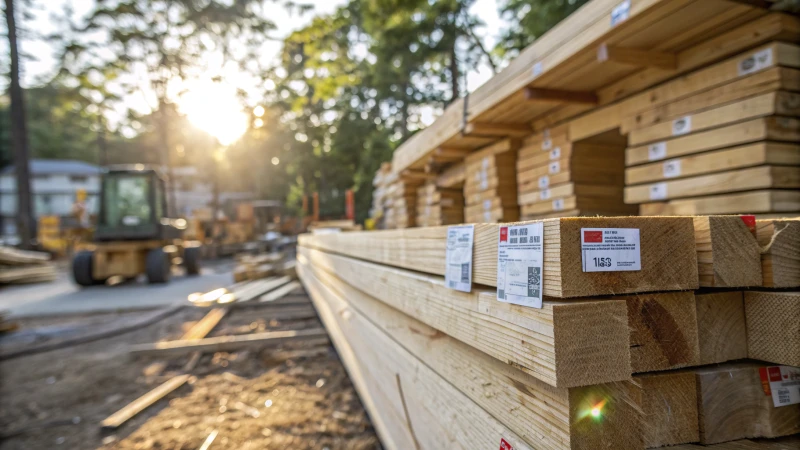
23	266
140	404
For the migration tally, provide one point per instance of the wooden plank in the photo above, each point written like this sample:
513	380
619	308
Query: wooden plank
636	57
555	344
543	416
665	263
497	129
669	402
204	326
451	177
721	327
732	405
559	96
773	326
728	254
663	329
140	404
780	251
763	177
279	293
226	343
754	202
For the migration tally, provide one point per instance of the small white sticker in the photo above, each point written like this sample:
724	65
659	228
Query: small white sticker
544	194
610	249
555	153
547	144
544	182
484	180
657	151
458	273
620	12
558	204
487	205
783	384
485	162
755	62
520	253
537	69
682	125
554	168
672	168
658	191
487	216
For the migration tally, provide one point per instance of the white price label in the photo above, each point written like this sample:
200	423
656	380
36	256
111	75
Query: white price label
520	257
487	216
487	205
538	68
555	153
755	62
458	273
547	144
682	125
657	151
544	182
544	194
610	249
782	383
658	191
620	13
558	204
672	168
484	180
554	167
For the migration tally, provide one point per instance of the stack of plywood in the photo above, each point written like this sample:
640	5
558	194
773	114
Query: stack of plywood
726	141
439	206
558	177
490	187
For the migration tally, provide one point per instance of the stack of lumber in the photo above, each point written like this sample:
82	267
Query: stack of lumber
22	266
490	183
726	141
558	177
401	205
643	359
439	206
255	267
380	187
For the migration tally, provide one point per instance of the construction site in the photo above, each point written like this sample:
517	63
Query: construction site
598	247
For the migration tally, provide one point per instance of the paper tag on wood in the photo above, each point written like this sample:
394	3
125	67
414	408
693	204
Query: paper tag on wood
620	13
487	216
538	68
555	153
504	445
458	270
782	383
487	205
544	194
558	204
610	249
755	62
658	191
682	125
544	182
485	162
547	144
554	167
520	255
657	151
672	168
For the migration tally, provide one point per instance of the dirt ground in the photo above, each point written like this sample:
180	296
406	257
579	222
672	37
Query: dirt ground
294	396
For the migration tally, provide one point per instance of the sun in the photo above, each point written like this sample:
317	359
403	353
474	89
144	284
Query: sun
213	108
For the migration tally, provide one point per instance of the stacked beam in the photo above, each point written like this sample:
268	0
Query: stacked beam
401	204
727	141
439	206
381	185
490	187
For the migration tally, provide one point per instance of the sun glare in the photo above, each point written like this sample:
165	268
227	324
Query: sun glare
213	108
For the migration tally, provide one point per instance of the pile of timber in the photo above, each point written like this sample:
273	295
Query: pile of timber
23	266
255	267
439	206
490	183
380	185
401	204
635	359
723	140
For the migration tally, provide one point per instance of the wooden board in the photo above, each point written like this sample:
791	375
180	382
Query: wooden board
753	202
543	416
556	344
140	404
773	326
721	327
780	251
667	264
728	254
570	189
669	402
226	343
732	405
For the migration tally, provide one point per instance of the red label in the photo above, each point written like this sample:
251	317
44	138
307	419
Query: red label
503	234
593	236
774	373
504	445
750	222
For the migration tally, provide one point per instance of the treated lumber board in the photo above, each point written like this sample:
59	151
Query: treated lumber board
728	254
204	326
569	189
756	154
559	96
733	405
544	416
663	329
721	327
776	128
497	129
763	177
413	405
140	404
772	103
279	293
606	205
666	264
761	201
669	402
773	326
780	251
226	343
452	177
637	57
556	344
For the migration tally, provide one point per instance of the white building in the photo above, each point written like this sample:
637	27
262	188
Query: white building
53	186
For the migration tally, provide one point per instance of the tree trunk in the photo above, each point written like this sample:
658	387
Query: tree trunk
454	73
19	139
404	112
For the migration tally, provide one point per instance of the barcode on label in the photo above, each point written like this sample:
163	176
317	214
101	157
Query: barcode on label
783	396
452	284
465	273
534	279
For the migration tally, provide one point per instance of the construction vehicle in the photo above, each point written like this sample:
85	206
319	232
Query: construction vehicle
134	234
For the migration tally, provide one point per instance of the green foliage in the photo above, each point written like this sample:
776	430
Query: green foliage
530	20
